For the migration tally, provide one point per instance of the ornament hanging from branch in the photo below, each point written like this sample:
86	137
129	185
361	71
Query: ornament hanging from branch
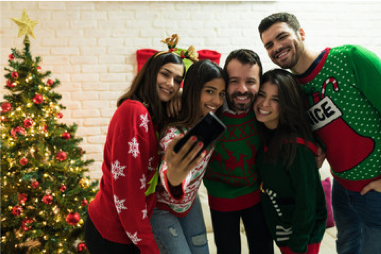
73	218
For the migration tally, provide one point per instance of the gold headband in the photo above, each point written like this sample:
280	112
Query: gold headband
172	41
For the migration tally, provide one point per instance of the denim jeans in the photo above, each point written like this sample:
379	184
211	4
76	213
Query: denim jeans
358	220
226	227
185	235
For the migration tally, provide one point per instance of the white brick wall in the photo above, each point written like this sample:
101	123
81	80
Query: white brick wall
90	46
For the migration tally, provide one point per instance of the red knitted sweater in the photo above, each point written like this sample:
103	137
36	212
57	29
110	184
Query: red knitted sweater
123	205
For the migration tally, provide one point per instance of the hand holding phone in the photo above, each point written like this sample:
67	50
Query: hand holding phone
207	130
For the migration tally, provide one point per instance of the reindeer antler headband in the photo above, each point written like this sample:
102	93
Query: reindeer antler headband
172	41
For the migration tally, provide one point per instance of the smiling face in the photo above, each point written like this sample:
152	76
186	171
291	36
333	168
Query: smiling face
212	95
243	85
266	106
284	46
168	81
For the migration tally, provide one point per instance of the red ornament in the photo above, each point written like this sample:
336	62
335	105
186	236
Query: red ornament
25	224
24	161
59	115
73	218
35	184
45	128
84	202
81	247
38	68
11	56
22	197
15	74
66	135
38	99
10	84
49	82
28	123
17	210
63	188
6	106
19	130
61	156
47	199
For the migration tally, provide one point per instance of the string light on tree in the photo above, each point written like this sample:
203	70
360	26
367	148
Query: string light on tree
38	187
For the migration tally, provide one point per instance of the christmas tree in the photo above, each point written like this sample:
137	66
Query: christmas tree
44	187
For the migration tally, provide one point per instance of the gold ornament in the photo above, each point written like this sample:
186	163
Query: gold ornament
25	25
84	183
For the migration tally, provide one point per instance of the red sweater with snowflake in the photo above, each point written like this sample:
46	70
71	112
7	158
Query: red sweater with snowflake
125	202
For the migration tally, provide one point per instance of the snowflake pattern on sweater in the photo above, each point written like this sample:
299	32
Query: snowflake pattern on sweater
134	238
117	169
123	205
144	122
134	148
119	204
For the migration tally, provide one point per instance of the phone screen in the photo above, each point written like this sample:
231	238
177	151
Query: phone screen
207	130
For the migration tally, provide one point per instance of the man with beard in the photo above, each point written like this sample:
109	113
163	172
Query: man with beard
343	89
233	188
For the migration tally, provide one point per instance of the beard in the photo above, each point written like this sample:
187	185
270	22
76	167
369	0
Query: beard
294	58
289	64
236	107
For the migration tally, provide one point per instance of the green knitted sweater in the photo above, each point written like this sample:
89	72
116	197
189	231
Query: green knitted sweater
230	177
293	199
344	93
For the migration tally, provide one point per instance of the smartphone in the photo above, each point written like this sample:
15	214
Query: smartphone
207	130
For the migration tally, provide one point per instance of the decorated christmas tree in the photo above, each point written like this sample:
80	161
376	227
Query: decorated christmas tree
44	187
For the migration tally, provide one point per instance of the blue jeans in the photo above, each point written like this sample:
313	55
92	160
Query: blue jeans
358	220
185	235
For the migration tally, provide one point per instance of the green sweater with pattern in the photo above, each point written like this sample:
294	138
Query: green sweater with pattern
344	94
293	199
230	178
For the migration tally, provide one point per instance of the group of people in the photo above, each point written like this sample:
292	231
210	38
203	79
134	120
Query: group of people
263	170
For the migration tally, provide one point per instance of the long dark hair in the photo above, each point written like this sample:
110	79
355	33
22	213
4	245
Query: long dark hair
197	75
293	120
143	88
